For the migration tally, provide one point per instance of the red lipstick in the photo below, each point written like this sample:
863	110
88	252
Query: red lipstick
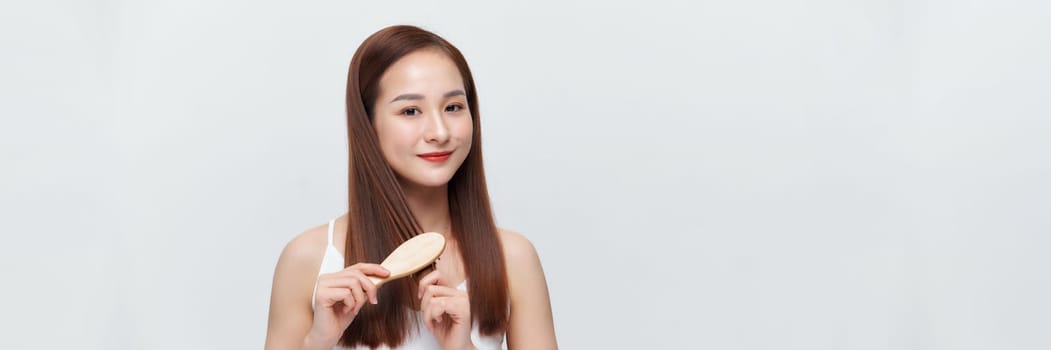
436	157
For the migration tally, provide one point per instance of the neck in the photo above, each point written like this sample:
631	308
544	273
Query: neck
430	206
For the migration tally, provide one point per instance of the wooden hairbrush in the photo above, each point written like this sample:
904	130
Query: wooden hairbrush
412	256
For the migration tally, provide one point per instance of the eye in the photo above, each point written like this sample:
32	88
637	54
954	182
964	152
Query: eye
411	111
454	108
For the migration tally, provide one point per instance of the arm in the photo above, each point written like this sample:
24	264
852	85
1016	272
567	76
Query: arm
531	324
291	315
294	324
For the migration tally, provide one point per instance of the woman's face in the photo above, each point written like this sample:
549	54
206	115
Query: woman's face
422	118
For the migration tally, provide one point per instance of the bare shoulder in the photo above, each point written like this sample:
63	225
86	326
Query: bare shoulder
306	249
521	260
518	249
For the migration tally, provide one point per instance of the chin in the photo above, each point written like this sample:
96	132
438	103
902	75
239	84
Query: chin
426	176
438	180
429	184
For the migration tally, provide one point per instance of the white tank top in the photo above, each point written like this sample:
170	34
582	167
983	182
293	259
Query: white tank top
421	338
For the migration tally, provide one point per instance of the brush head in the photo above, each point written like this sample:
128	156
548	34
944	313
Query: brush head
415	254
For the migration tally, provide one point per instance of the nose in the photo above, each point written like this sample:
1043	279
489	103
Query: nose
436	130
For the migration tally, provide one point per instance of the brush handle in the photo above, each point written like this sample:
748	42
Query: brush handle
379	281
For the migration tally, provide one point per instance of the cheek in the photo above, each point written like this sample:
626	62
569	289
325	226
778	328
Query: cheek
393	136
464	130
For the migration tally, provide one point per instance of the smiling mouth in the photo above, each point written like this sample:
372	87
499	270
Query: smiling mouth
436	157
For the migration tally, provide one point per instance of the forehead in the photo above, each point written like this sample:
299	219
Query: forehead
422	71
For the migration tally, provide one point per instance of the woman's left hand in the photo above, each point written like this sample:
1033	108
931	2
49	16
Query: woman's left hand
446	311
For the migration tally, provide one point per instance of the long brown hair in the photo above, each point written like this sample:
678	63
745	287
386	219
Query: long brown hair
380	218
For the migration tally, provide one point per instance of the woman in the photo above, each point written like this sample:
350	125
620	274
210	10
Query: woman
415	166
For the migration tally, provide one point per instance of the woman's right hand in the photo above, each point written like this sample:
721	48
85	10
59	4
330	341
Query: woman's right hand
339	297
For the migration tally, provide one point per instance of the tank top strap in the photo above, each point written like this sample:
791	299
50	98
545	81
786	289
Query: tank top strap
331	226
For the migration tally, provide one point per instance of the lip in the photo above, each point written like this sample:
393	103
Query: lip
436	157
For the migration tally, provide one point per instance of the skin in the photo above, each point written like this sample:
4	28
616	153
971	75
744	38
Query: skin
420	109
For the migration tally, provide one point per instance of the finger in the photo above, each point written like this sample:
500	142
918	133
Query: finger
425	301
435	291
369	288
427	320
331	296
338	289
359	295
428	302
428	295
348	289
348	303
370	269
432	278
439	307
430	311
334	297
458	309
338	281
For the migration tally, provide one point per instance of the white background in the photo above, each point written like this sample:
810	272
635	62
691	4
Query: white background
755	174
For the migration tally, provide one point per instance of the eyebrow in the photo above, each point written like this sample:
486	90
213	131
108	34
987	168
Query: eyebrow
420	97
